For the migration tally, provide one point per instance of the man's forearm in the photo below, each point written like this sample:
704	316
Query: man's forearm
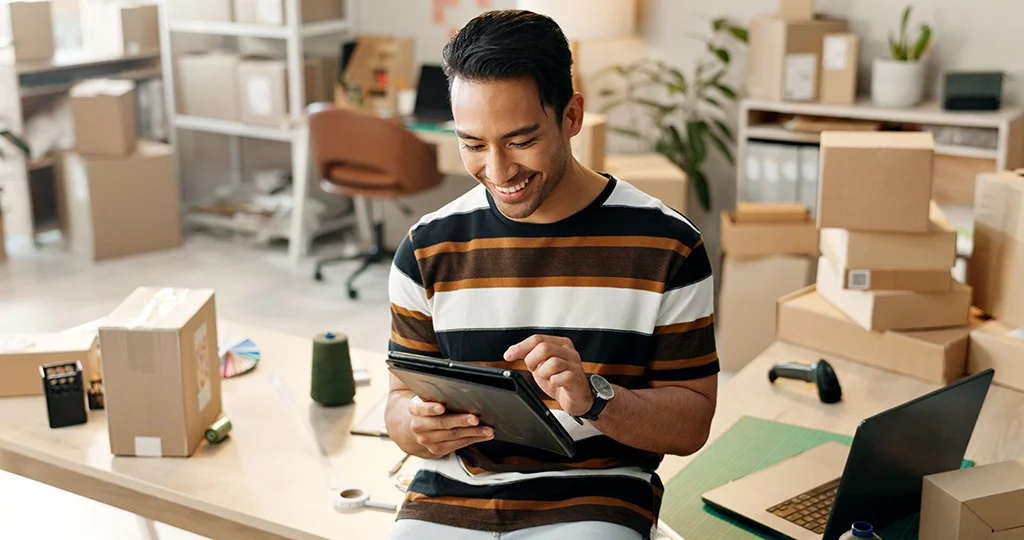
396	417
666	420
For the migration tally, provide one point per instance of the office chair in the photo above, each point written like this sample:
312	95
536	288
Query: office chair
361	155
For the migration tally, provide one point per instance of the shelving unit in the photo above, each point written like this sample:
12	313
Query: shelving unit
955	165
293	32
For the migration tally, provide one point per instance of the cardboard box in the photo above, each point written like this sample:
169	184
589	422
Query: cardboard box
745	318
382	66
996	345
3	248
997	264
875	181
199	75
796	10
201	10
123	205
839	69
321	76
263	91
895	310
28	25
806	319
882	279
977	503
272	12
784	57
21	355
760	239
120	29
934	250
161	371
104	116
754	212
654	174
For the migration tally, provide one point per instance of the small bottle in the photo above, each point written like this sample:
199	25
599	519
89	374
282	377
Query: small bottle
860	529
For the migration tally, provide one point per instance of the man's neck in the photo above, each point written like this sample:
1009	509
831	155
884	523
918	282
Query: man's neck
578	188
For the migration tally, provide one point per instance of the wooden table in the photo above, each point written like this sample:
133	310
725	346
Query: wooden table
266	480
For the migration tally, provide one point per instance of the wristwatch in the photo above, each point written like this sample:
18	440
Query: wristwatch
603	391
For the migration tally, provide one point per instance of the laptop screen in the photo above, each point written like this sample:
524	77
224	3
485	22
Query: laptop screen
432	95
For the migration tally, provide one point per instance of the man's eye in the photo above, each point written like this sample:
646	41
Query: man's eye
471	148
522	144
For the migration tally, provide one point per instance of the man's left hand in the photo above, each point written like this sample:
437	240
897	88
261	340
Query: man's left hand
557	369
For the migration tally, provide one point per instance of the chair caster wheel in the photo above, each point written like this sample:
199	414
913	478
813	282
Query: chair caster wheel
353	294
318	276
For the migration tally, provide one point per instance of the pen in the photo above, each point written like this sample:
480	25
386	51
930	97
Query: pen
398	466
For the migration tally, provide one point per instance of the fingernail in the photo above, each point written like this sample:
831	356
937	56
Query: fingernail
473	420
488	432
438	409
508	355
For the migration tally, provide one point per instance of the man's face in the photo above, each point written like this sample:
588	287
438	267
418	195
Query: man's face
510	142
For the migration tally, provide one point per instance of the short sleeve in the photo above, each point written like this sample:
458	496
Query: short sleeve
412	327
684	335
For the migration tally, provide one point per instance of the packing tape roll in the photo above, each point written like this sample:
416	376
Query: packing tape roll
218	431
355	498
332	382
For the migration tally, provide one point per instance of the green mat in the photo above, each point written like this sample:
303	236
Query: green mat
749	446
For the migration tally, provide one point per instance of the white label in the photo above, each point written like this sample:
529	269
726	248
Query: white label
1017	333
800	76
202	356
133	48
835	56
269	12
258	95
148	447
860	279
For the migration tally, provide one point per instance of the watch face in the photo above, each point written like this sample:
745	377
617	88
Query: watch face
602	388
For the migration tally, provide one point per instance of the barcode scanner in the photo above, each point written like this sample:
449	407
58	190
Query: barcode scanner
820	373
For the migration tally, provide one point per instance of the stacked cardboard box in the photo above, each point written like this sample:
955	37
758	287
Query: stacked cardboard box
121	193
769	250
887	254
995	271
28	27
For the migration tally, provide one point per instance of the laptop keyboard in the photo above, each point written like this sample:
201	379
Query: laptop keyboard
810	509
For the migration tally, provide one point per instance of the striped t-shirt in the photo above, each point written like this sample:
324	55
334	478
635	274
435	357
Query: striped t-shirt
627	279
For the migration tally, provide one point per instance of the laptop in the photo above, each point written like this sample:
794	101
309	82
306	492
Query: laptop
820	493
433	104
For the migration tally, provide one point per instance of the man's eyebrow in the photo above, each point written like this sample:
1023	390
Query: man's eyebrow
526	130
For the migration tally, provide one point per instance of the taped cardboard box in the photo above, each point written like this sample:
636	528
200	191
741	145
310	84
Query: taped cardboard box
653	174
934	250
895	310
875	181
104	116
864	279
996	267
839	69
161	371
998	346
272	12
119	206
745	318
22	354
28	26
784	57
977	503
120	28
198	75
806	319
761	239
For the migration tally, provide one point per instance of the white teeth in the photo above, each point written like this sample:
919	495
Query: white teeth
513	189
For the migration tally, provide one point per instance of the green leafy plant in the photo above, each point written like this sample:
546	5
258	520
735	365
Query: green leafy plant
13	139
688	116
902	49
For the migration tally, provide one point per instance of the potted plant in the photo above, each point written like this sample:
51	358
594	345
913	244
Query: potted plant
899	81
682	115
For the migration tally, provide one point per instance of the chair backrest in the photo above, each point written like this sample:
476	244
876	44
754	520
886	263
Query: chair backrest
358	154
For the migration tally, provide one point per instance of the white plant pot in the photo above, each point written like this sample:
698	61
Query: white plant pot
897	84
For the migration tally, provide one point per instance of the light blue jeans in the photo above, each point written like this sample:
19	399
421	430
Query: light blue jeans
411	529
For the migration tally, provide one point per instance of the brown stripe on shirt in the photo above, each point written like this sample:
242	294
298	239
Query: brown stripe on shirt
553	281
524	464
414	344
409	313
677	328
512	520
412	328
505	504
554	242
683	363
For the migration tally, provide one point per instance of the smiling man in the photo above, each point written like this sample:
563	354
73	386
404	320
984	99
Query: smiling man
602	294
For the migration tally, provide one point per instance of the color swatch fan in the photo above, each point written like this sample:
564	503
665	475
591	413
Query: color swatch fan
238	355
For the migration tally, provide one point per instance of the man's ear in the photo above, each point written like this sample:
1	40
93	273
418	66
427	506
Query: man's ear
572	118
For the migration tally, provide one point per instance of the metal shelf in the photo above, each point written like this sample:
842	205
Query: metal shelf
775	132
320	28
237	129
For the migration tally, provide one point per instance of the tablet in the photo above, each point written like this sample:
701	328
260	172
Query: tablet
500	397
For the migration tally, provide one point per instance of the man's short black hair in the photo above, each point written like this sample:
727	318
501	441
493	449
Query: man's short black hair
508	44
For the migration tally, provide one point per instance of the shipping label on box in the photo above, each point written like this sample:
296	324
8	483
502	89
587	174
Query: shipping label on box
996	267
801	77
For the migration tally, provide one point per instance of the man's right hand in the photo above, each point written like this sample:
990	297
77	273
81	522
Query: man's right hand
442	434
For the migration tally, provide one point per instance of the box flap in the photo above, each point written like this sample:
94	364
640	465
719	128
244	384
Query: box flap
102	87
995	492
157	308
45	343
910	140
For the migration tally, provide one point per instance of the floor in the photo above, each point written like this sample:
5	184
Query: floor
47	289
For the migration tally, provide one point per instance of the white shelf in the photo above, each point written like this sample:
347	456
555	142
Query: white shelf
321	28
966	151
238	129
926	113
77	58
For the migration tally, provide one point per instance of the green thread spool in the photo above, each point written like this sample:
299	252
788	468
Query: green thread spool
332	382
218	431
